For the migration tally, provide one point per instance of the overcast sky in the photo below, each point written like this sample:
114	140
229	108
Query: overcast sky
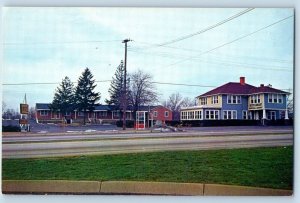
43	45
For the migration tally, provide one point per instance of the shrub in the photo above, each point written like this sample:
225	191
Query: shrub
11	128
129	124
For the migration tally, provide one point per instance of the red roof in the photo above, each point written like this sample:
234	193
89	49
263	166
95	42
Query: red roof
243	89
266	89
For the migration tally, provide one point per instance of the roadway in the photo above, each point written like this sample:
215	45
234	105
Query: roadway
35	146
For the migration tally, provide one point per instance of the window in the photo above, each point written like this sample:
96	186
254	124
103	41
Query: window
102	113
212	114
155	113
80	113
128	115
203	101
275	98
215	99
231	114
166	113
280	98
68	114
197	114
234	99
245	115
255	99
44	113
184	115
116	113
271	115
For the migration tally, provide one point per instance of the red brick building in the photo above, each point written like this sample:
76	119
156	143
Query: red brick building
149	115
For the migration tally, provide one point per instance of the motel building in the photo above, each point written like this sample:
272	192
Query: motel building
239	101
146	116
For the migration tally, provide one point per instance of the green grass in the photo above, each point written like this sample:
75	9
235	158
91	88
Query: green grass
259	167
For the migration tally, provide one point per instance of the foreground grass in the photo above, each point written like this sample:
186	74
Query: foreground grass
259	167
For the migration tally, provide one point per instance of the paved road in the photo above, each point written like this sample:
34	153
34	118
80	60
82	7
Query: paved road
49	146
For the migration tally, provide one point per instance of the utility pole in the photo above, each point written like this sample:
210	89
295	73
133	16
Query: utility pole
124	91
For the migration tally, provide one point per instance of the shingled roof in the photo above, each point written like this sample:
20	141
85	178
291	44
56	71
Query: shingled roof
241	88
230	88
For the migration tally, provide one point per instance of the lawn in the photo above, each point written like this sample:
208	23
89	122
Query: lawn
260	167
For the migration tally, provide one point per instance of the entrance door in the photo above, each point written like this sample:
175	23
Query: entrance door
140	120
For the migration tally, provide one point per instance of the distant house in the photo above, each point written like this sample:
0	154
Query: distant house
147	115
239	101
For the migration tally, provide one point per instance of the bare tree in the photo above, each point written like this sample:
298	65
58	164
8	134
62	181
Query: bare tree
290	103
142	90
186	102
3	107
31	113
175	102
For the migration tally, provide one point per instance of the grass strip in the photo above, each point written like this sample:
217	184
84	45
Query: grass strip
258	167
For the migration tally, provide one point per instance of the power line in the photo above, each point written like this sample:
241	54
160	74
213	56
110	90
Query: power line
239	38
207	29
61	42
181	84
222	62
45	83
134	49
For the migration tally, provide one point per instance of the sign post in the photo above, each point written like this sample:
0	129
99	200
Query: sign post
24	111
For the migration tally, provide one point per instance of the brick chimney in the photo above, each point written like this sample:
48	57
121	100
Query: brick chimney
242	81
262	85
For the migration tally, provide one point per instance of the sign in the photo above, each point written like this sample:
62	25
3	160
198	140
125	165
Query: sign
24	108
23	121
255	106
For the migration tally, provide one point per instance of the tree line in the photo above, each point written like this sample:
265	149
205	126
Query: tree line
140	91
83	97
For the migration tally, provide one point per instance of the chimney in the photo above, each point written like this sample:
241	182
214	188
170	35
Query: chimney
262	85
242	80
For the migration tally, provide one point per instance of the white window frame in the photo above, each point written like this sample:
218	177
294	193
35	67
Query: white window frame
215	99
116	114
230	114
155	114
236	98
275	98
271	114
102	114
166	113
203	101
80	113
255	99
212	115
245	115
43	112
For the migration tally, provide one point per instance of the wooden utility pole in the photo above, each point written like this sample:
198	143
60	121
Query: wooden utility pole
125	88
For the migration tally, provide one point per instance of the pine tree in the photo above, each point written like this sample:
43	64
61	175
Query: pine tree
63	100
85	96
117	88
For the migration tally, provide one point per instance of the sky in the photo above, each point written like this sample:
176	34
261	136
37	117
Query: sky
202	47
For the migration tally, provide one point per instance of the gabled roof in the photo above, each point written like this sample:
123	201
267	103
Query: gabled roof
230	88
241	89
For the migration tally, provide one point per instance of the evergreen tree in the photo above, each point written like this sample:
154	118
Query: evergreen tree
63	100
85	96
117	88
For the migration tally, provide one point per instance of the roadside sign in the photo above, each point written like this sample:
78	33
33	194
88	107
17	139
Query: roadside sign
23	121
24	108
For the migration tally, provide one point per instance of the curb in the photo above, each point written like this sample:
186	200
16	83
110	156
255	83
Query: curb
134	188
